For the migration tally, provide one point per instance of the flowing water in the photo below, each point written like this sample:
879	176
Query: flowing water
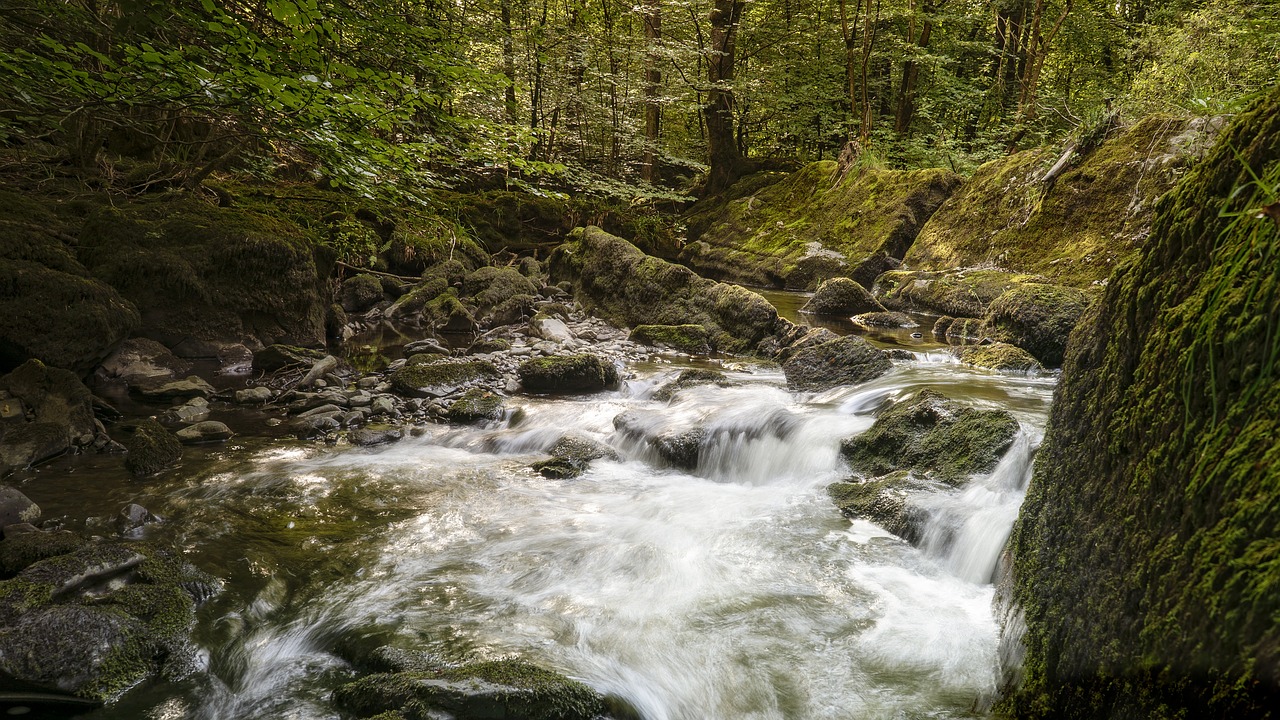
736	590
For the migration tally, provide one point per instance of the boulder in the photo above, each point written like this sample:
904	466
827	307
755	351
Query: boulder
567	374
841	296
692	377
53	396
377	434
151	449
15	508
885	320
550	328
209	431
1037	318
410	304
360	292
19	551
475	405
998	356
961	293
440	378
163	389
571	455
140	359
933	436
490	287
690	339
254	396
885	501
845	361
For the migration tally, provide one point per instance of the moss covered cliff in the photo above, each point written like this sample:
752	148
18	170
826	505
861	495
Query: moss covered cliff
1147	554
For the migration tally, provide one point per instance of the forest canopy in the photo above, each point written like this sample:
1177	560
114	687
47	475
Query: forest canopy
601	96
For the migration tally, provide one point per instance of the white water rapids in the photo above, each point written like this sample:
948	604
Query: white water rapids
734	591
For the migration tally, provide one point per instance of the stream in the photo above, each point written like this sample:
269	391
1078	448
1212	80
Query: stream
735	590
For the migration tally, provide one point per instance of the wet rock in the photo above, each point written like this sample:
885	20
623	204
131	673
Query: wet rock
132	517
476	404
885	320
18	551
571	455
441	378
1037	318
934	436
885	502
568	374
959	293
682	449
692	377
998	356
328	409
254	396
360	292
193	411
140	358
513	310
31	443
382	405
375	435
209	431
321	368
151	449
410	304
844	361
549	328
492	286
16	507
161	389
311	427
843	297
690	339
488	345
496	689
53	395
278	357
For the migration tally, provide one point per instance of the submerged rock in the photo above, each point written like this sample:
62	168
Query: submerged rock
571	455
692	377
843	297
844	361
933	436
885	502
567	374
476	404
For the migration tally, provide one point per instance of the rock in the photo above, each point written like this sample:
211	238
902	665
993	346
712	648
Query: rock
885	320
569	374
321	410
314	426
571	455
885	502
687	379
140	358
382	405
194	411
488	345
492	286
53	395
690	339
134	516
933	436
15	508
254	396
321	367
360	292
161	389
476	404
442	378
208	431
151	449
682	449
549	328
845	361
998	356
375	435
411	304
960	293
278	357
843	297
21	550
495	689
31	443
1037	318
513	310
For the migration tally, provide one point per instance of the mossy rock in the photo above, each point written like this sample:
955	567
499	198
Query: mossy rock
360	292
422	245
615	280
151	449
28	444
425	358
1001	357
489	287
933	436
885	502
446	313
438	379
1037	318
476	404
494	689
813	224
845	361
567	374
513	310
53	395
961	293
690	339
885	320
278	357
692	377
843	297
411	304
571	455
1145	553
18	552
489	345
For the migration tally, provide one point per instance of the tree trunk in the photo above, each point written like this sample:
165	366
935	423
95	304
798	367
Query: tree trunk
911	74
509	64
652	87
722	143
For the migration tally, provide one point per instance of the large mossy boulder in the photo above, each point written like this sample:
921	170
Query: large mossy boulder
360	292
567	374
476	404
1145	555
495	689
1077	227
51	411
95	619
1000	357
490	287
844	361
1037	318
841	296
616	280
691	339
202	273
819	222
51	308
933	436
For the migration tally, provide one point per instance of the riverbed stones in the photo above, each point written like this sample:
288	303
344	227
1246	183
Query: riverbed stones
495	689
567	374
933	436
841	296
844	361
441	378
151	449
209	431
254	396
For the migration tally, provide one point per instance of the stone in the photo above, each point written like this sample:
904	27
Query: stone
15	508
151	449
690	339
132	517
31	443
845	361
476	404
885	320
569	374
885	501
360	292
375	435
440	379
998	356
1037	318
843	297
208	431
314	426
382	405
692	377
550	328
321	367
254	396
278	357
161	389
571	455
53	395
141	358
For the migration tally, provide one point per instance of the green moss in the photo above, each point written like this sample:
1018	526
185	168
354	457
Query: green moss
1146	558
492	286
1037	318
412	303
20	551
489	345
933	436
151	449
999	356
567	374
962	293
426	358
841	296
476	404
883	501
690	339
360	292
571	455
436	378
815	213
17	596
446	313
1075	232
687	379
844	361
